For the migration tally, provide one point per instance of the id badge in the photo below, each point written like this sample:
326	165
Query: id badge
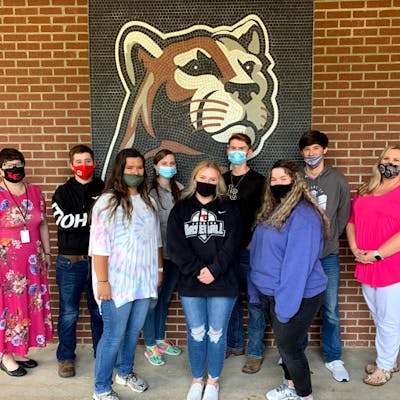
25	236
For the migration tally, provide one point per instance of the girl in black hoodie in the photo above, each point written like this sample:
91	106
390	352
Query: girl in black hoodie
203	241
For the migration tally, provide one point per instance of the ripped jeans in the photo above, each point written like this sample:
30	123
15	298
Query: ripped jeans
207	320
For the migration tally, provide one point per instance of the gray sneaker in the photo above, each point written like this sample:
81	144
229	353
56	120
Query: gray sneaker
106	396
281	392
133	381
339	372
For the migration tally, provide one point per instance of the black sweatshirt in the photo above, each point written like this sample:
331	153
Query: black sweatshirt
205	235
71	205
250	188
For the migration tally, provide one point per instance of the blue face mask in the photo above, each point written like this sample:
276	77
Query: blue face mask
167	172
313	161
237	157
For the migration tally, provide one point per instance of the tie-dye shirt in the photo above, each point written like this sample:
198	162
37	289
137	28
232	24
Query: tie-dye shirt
131	247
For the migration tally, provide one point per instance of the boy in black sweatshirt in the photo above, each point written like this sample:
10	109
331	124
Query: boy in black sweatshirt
71	204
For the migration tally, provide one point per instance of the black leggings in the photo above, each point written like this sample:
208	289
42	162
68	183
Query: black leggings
289	338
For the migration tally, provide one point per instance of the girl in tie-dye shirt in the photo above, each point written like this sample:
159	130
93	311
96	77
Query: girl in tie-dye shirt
125	243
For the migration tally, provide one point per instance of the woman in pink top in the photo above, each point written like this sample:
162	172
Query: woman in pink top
373	233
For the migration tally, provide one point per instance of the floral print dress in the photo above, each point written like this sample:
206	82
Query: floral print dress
25	315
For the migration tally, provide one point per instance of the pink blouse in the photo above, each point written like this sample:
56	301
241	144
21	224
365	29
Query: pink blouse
377	219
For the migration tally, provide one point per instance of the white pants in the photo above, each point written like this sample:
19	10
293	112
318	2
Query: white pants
383	303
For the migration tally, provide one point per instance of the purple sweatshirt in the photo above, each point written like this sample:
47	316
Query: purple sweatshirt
285	262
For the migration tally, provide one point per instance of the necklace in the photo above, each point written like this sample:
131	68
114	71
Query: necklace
23	215
233	189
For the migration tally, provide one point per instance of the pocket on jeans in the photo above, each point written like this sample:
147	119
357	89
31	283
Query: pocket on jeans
63	263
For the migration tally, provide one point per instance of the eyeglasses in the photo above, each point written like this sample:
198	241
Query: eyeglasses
8	165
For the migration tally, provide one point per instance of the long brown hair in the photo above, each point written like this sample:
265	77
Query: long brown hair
175	191
119	189
275	213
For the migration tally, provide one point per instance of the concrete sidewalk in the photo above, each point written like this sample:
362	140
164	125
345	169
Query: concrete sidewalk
171	381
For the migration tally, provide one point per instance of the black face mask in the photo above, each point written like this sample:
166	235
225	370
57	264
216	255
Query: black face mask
280	191
14	174
389	170
206	189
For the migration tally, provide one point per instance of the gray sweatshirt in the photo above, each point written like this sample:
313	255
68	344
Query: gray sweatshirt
164	208
332	192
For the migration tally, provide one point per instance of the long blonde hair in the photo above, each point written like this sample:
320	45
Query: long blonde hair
376	178
191	189
275	213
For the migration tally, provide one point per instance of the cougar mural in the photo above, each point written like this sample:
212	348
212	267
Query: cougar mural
190	90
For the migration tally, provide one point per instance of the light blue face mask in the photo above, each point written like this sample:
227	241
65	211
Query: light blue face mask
237	157
167	172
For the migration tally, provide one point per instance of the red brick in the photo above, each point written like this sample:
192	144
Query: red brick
356	97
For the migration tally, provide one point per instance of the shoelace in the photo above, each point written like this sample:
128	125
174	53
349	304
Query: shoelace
139	382
155	350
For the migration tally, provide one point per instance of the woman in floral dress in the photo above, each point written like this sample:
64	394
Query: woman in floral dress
25	317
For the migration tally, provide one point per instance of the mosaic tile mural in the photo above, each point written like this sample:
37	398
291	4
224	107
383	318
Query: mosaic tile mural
187	75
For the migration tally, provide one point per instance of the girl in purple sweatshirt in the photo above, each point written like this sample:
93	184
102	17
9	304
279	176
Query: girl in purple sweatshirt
286	273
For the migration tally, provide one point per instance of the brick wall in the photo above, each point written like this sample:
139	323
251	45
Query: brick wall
356	101
45	107
44	92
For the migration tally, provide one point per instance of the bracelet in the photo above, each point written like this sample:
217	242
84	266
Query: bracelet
102	281
161	269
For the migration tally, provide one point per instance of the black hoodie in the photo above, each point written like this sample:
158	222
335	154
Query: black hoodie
71	205
205	235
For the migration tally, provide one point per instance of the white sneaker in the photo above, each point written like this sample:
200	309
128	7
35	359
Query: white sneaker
106	396
339	372
211	392
132	381
281	392
195	391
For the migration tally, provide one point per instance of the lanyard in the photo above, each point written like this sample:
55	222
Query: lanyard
18	206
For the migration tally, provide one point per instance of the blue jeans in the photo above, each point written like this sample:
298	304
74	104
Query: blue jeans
72	279
117	345
207	322
289	338
331	338
256	321
154	326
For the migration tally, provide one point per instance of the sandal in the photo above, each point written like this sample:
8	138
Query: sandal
371	368
378	378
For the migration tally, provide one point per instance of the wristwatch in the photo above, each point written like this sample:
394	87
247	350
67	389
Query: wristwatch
377	256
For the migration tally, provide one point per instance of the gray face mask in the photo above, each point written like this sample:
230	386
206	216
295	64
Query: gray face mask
133	180
313	161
